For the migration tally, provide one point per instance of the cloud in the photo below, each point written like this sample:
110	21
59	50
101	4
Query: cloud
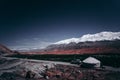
29	44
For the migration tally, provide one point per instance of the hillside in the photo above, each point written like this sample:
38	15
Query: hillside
4	50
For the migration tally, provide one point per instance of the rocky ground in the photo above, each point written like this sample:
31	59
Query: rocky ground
24	69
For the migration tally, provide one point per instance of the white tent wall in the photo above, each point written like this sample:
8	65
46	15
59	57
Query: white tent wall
92	60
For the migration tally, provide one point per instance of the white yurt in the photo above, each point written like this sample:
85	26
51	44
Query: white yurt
91	62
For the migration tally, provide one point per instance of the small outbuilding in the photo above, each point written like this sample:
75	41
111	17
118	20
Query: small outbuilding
91	62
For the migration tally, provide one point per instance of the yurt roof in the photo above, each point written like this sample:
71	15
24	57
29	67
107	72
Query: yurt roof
91	60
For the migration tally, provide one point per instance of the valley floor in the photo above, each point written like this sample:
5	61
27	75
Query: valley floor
28	69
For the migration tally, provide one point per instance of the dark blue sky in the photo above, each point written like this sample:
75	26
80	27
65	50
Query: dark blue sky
30	23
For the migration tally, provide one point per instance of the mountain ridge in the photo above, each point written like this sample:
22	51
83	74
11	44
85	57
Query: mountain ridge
98	47
92	37
99	43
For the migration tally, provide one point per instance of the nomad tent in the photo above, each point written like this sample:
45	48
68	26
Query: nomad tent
91	62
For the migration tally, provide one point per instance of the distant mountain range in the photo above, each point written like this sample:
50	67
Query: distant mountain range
99	43
102	36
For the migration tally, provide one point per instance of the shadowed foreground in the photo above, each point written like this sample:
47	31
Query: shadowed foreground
25	69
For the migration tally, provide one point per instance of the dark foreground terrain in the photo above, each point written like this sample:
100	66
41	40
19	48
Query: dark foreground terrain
28	69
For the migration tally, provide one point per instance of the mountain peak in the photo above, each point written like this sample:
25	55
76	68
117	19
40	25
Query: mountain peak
106	35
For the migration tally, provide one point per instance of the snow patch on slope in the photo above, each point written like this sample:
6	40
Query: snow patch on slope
92	37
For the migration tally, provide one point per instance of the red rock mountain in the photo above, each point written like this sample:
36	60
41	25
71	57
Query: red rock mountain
5	50
98	47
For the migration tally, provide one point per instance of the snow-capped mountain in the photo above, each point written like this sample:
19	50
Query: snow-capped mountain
99	43
93	37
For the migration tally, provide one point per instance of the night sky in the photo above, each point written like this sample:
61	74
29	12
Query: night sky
35	24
